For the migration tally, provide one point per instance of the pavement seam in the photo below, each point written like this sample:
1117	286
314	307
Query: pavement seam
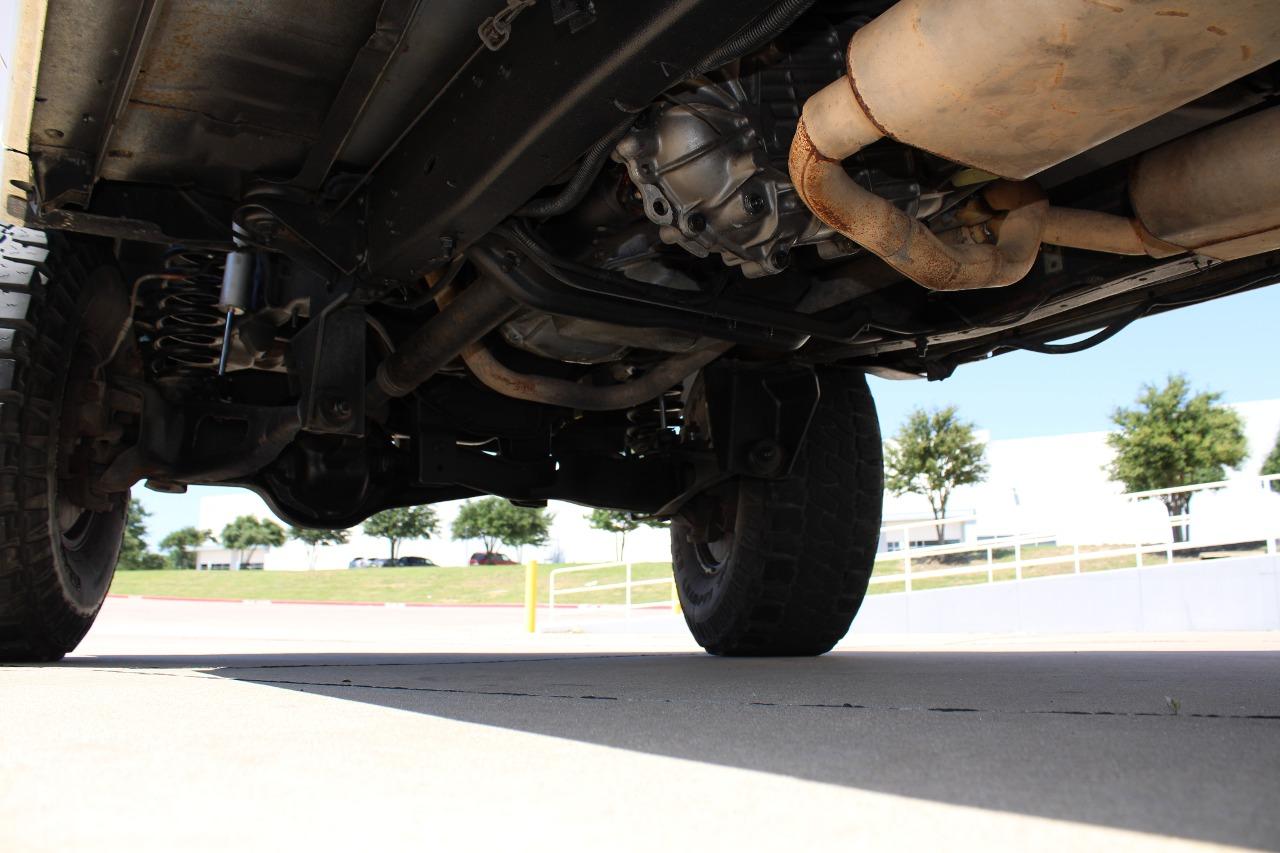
548	659
555	658
812	705
843	706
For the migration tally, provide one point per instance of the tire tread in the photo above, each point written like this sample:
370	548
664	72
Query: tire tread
807	543
37	623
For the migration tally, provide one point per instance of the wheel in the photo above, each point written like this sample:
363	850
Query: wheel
57	555
780	567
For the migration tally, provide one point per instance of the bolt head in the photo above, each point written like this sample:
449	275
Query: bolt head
337	410
765	457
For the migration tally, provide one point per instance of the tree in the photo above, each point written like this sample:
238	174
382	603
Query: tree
247	534
529	525
134	553
620	523
180	546
314	537
615	522
1174	438
1272	464
401	523
932	454
494	520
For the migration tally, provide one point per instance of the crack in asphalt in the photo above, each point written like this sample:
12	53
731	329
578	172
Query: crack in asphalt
444	690
347	684
88	664
810	705
525	659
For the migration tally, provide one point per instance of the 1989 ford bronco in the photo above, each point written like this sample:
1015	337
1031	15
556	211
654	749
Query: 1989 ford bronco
358	254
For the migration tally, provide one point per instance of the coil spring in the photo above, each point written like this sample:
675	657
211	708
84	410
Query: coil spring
653	424
183	332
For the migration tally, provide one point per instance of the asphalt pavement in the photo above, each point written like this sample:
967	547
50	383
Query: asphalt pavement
182	725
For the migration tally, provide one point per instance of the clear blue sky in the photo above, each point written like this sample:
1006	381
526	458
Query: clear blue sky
1230	345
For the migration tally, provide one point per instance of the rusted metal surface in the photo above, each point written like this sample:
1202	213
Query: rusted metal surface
461	321
1016	86
1216	192
143	29
1013	87
195	92
1103	232
903	241
590	398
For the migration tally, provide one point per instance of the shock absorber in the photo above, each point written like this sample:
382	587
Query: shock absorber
236	291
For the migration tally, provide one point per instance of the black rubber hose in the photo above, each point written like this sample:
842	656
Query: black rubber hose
576	189
756	35
1093	340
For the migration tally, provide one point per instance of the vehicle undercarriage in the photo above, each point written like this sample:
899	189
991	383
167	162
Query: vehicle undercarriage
635	255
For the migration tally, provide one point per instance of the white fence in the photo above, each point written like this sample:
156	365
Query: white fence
627	585
994	556
1152	545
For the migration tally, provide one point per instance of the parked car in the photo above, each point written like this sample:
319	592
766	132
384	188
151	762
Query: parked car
490	558
630	255
411	561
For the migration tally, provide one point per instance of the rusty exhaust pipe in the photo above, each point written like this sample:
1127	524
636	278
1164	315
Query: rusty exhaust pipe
1215	192
1103	232
587	398
1011	87
467	318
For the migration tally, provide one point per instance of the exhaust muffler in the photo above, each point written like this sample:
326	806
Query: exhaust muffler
1013	87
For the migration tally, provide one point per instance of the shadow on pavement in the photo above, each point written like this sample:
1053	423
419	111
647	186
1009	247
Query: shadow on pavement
1177	743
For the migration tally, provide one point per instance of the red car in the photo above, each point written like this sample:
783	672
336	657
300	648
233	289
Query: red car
490	558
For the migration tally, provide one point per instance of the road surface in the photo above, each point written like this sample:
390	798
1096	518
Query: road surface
196	726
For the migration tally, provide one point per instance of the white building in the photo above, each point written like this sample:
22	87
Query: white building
1059	484
1052	484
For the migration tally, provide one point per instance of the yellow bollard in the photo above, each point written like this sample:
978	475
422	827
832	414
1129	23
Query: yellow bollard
531	596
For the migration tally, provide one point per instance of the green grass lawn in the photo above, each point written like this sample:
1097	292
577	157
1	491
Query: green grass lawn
505	584
438	585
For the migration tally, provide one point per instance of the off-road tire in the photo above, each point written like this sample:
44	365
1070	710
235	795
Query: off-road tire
802	548
52	583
